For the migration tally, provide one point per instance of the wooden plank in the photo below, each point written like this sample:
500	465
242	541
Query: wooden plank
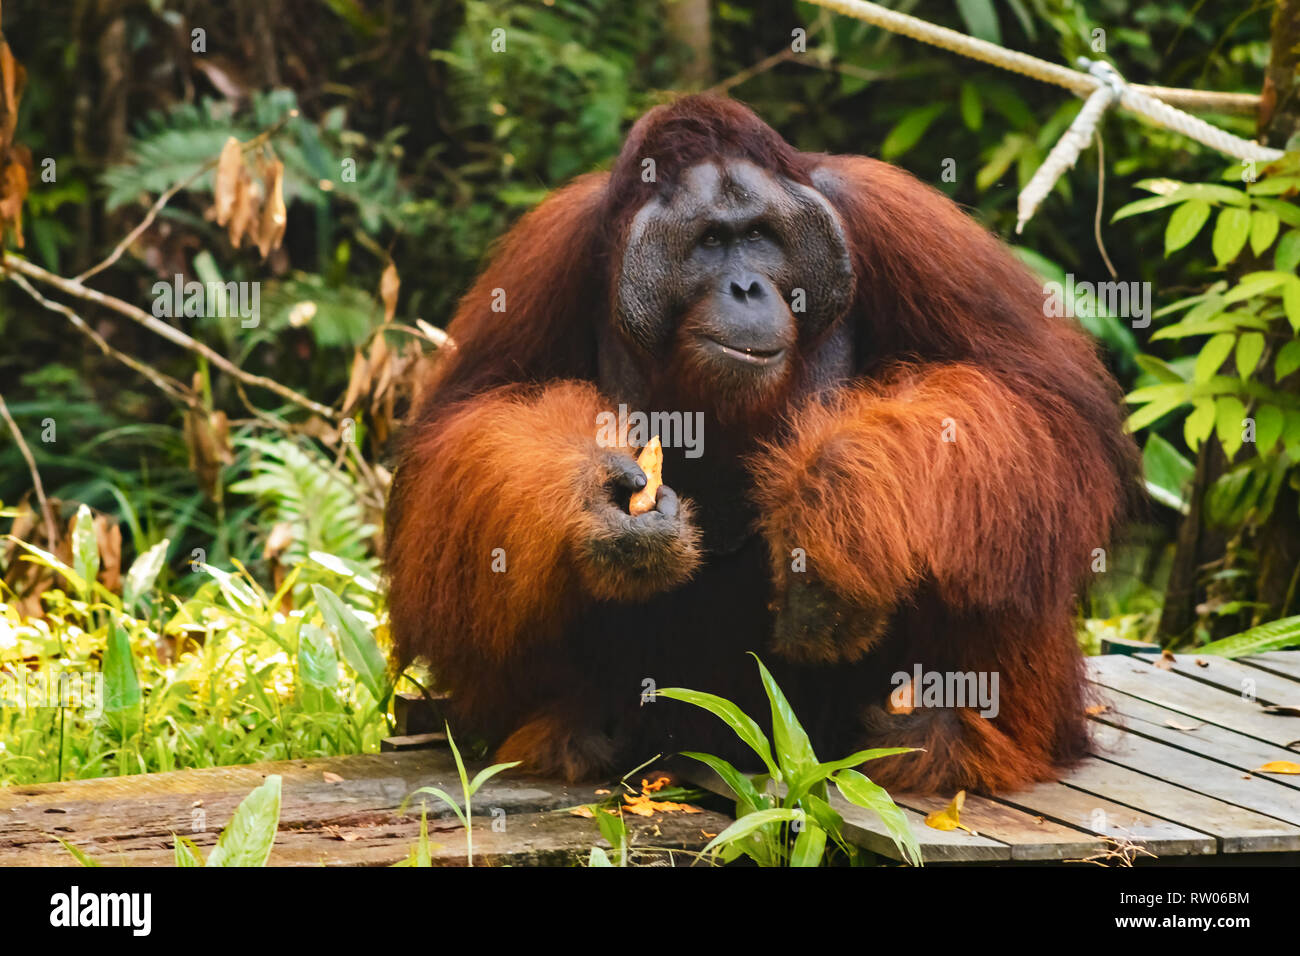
865	828
352	819
1192	698
1249	683
1282	663
1209	740
1254	792
1087	811
1236	829
1030	836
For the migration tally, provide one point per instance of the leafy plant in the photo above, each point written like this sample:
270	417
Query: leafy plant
468	788
784	817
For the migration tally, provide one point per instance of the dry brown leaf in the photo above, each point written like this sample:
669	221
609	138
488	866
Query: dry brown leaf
108	536
583	811
389	284
949	818
1166	661
646	805
651	461
329	777
270	232
1177	726
14	164
244	211
226	181
1279	766
1096	709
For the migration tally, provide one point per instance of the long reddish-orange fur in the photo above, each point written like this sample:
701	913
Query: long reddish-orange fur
955	489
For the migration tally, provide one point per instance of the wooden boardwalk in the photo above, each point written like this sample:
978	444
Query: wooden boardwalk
1173	771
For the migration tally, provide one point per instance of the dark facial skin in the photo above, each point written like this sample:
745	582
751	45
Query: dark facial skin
728	277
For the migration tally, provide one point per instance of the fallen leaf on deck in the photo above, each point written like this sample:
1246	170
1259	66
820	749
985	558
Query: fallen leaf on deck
1177	726
331	777
1279	766
949	818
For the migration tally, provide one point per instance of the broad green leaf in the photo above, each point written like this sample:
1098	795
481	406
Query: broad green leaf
1250	348
121	686
85	549
1273	636
1269	422
1288	359
250	835
741	723
1199	424
144	571
1275	185
358	644
1152	412
1167	473
186	853
859	790
1286	258
1288	213
746	794
1230	232
1263	230
1212	356
981	19
1291	302
598	857
794	751
1229	418
909	130
1140	206
751	822
809	845
1158	368
318	663
1185	223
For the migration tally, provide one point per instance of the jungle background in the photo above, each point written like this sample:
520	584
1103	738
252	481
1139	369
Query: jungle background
194	509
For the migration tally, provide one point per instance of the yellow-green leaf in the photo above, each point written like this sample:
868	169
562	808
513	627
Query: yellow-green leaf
1263	230
1185	223
1230	232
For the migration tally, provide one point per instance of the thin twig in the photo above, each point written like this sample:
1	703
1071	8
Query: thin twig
50	535
1101	194
170	333
167	196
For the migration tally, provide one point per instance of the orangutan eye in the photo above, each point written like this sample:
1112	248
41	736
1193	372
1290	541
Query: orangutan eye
711	240
754	234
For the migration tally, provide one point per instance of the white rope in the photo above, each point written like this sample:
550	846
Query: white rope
1102	85
1065	153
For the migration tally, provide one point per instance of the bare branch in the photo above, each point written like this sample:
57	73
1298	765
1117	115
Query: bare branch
51	535
176	336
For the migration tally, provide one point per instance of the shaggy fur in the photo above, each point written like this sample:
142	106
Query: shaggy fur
960	555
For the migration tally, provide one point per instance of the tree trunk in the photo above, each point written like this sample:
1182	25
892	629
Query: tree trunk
688	24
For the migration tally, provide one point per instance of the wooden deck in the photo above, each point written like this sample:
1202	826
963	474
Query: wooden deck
1173	771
